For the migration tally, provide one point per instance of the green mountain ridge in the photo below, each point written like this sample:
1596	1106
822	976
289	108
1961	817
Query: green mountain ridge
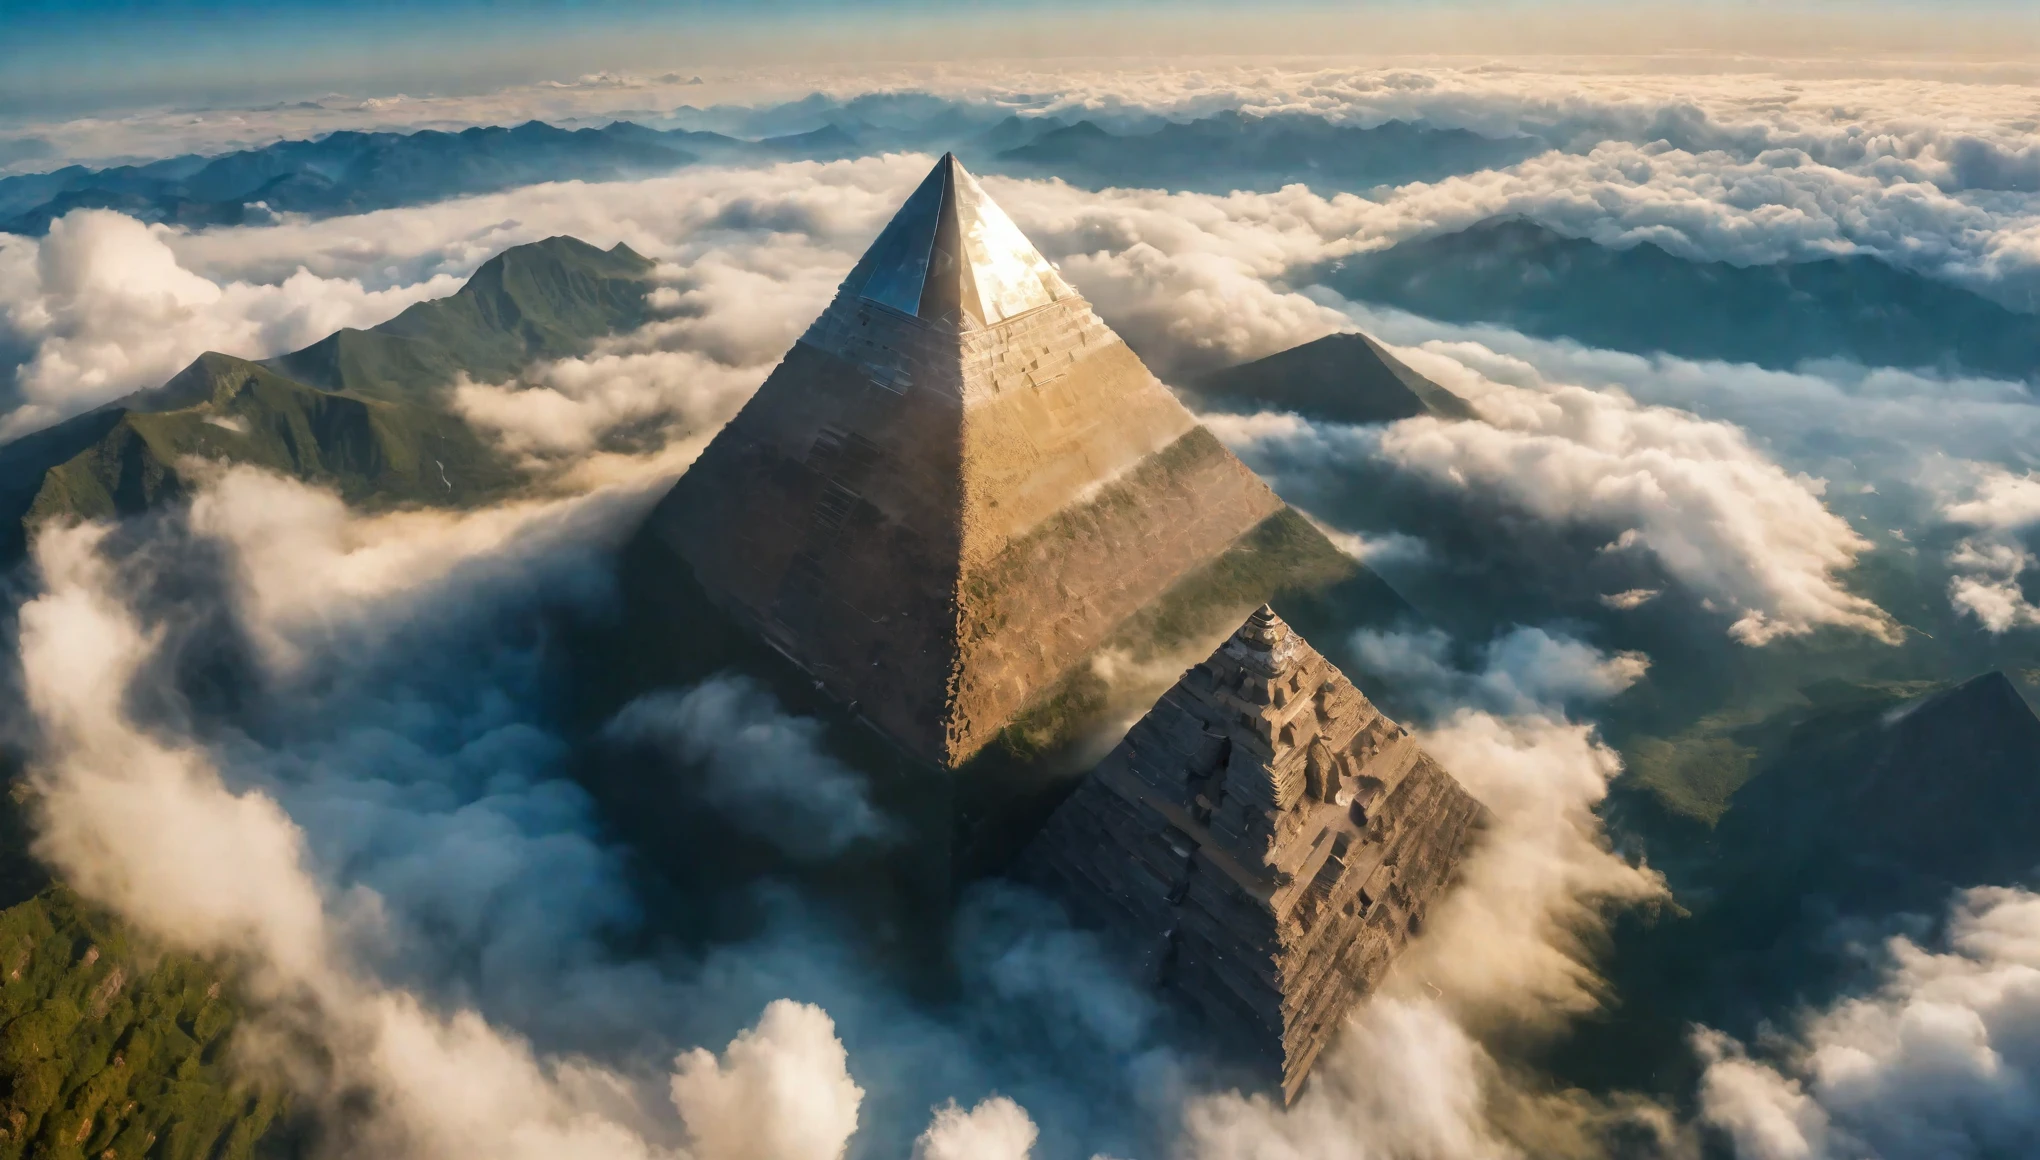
360	411
544	300
1866	801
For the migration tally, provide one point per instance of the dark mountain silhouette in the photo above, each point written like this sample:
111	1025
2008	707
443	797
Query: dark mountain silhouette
1340	378
1894	801
1868	809
350	172
1233	150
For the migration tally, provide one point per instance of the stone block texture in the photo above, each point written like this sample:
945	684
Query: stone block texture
956	484
1264	842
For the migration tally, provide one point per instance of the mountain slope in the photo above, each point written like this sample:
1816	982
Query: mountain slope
544	300
1899	800
1340	378
374	453
360	411
1868	806
111	1051
1519	274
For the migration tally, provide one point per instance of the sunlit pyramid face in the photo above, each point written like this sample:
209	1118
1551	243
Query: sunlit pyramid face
956	484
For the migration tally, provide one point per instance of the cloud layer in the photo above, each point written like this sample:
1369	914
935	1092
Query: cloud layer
764	770
1706	506
102	307
1941	1059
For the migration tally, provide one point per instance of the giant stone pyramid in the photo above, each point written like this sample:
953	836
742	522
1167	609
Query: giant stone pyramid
956	484
1266	841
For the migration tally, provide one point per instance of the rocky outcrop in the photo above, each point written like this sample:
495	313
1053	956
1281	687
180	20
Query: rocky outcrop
1264	841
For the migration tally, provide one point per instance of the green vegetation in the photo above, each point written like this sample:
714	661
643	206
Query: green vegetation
1694	773
373	453
109	1052
546	300
361	411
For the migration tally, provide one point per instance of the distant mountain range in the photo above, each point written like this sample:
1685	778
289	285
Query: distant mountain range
1519	274
360	410
349	172
1235	150
353	172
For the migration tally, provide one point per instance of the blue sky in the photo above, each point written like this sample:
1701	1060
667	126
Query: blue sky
60	57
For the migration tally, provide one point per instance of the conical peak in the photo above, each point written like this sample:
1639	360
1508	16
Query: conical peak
1261	628
952	256
1264	643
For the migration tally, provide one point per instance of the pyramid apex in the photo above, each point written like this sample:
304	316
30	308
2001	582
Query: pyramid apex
952	256
1267	638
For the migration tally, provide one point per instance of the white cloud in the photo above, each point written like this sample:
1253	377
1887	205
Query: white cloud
145	827
765	770
1510	941
141	822
1402	1080
727	316
1530	666
568	408
1630	598
1856	425
312	574
1379	550
1987	566
1941	1059
996	1129
2001	501
1695	495
1986	583
1524	670
782	1091
106	308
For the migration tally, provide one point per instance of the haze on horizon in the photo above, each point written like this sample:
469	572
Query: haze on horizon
1644	396
77	57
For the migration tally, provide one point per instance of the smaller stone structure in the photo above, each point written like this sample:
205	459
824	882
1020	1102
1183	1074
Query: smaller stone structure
1266	841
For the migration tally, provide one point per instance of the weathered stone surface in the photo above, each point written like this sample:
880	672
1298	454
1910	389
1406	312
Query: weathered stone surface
1265	841
957	483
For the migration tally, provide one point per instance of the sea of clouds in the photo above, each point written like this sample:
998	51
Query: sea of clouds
432	914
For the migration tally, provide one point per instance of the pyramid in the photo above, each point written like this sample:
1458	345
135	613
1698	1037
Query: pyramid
956	484
1265	842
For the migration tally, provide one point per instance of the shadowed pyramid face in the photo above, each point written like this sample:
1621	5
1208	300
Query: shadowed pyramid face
956	484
